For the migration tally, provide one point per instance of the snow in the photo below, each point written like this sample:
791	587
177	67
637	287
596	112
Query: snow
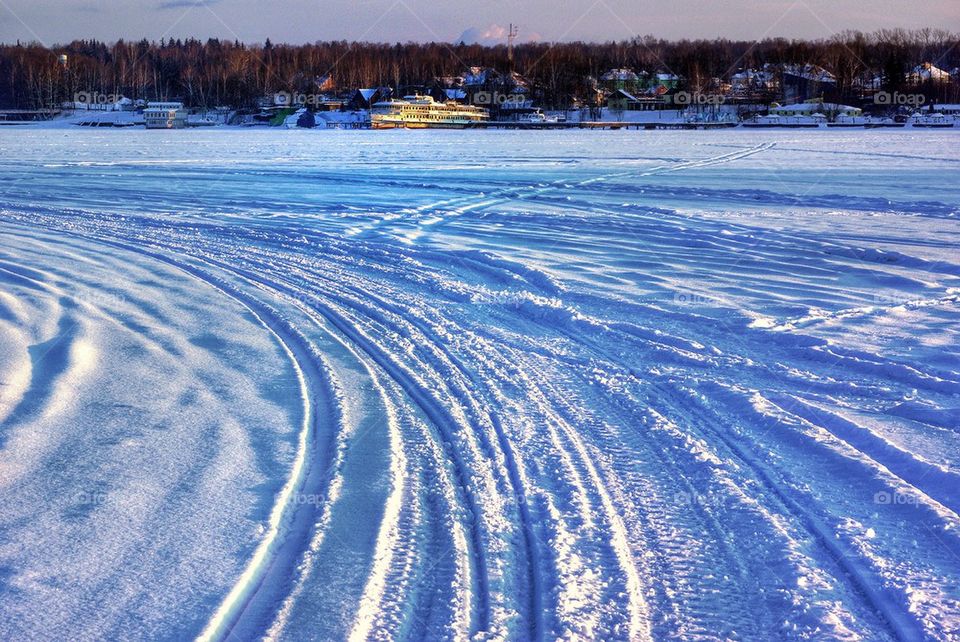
479	385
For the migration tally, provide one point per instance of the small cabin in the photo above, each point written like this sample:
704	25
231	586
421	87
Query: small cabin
622	100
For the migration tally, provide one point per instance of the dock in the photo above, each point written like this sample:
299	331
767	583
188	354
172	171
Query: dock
20	116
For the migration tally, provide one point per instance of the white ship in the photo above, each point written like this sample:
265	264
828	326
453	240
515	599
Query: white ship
810	114
932	120
165	116
422	112
537	117
790	122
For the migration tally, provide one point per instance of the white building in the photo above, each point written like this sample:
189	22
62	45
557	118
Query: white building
165	116
752	81
815	107
927	72
620	75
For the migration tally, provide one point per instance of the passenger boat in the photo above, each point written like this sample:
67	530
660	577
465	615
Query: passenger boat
423	112
789	122
844	120
930	120
165	116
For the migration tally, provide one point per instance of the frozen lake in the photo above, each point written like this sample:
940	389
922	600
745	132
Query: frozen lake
437	385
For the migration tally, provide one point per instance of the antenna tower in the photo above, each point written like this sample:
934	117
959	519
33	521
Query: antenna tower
511	36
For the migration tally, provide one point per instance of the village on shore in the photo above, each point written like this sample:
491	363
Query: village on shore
774	96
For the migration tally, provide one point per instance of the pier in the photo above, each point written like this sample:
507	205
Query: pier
17	116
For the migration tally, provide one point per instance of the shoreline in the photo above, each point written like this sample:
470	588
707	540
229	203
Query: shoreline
62	125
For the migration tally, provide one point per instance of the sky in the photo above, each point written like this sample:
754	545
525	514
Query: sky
300	21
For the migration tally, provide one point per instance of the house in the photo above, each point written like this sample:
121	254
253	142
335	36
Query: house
753	84
647	100
633	82
513	106
805	82
667	80
868	82
717	85
504	94
443	94
168	115
325	84
625	79
927	73
518	84
327	102
449	81
480	77
489	79
364	98
622	100
593	96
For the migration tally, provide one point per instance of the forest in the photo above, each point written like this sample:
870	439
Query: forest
218	72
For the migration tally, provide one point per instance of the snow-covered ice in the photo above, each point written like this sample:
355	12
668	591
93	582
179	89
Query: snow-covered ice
479	385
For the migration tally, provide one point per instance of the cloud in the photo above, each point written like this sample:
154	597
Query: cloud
494	34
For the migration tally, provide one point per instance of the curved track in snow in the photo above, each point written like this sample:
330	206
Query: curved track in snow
679	391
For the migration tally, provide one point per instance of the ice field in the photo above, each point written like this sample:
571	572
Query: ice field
479	385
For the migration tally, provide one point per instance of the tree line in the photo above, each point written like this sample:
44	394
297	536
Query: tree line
221	72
